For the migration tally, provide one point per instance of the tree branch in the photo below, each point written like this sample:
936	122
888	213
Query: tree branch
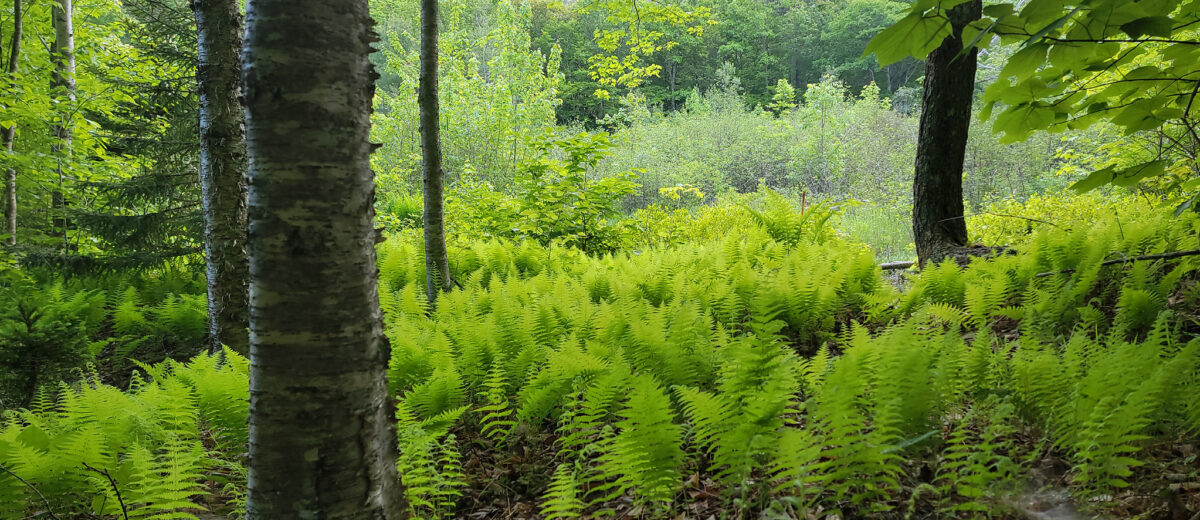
117	490
889	266
1159	256
35	490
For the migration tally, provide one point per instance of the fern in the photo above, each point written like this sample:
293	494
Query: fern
429	462
741	424
645	453
977	461
562	499
496	416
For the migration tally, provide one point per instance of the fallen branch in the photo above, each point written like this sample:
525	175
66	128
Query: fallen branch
1159	256
35	490
886	266
111	480
1030	219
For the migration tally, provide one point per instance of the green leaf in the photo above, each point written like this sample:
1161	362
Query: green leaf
1134	174
1095	180
914	35
978	35
1041	33
1149	26
999	10
1188	204
1138	116
35	438
1026	61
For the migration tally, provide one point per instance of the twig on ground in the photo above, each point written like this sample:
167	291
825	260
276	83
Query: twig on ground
1159	256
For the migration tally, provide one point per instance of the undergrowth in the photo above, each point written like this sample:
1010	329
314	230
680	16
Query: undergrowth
785	378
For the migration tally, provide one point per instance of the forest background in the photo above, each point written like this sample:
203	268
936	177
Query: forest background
737	96
604	161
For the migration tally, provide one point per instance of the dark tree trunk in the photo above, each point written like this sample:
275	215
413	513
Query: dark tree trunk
62	83
223	171
10	133
938	224
322	437
437	263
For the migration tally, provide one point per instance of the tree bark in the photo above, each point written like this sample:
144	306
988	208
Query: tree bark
10	133
62	83
938	223
223	171
322	437
437	262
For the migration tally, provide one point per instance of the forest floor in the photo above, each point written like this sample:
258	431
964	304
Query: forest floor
501	484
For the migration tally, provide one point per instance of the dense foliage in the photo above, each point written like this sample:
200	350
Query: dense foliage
665	224
785	373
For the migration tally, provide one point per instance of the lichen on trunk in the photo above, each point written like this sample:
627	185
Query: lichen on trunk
223	170
322	439
62	83
10	132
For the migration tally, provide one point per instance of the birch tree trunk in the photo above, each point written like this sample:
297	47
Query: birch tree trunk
62	83
322	437
10	133
938	223
223	171
437	262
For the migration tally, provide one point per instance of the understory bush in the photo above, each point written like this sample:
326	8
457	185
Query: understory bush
49	330
1012	222
153	451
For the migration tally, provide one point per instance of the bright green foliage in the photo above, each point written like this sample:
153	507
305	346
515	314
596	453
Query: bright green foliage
429	464
742	422
573	335
496	93
787	225
44	333
1050	307
150	441
979	460
48	331
624	51
562	498
128	185
838	142
1131	64
554	199
559	202
646	368
1013	222
700	45
644	454
783	98
496	415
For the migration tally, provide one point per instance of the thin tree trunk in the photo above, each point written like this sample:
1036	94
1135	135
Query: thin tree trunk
10	133
671	79
62	83
437	262
938	223
322	437
223	171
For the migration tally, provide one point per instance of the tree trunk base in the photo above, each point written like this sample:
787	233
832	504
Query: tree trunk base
962	255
